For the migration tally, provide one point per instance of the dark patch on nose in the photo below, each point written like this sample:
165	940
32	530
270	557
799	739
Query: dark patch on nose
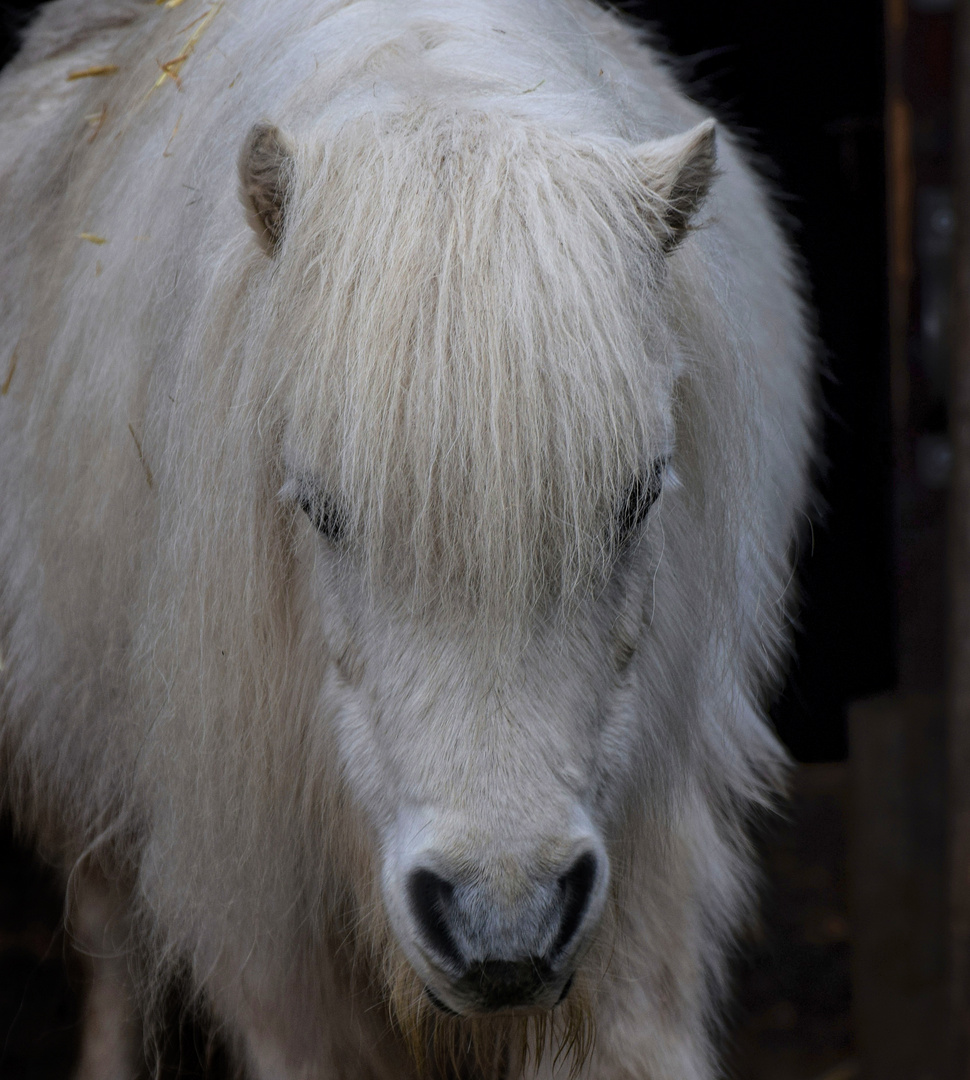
566	989
503	984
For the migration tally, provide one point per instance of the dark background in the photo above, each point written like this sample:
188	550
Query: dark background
805	82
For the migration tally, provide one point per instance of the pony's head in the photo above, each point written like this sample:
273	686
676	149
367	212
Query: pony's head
477	420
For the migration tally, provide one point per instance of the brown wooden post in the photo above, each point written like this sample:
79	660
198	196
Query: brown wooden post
910	750
897	889
958	690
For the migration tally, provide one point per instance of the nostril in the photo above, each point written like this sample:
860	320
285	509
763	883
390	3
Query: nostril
430	897
576	888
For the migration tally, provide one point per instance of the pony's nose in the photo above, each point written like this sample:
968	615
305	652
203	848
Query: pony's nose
503	951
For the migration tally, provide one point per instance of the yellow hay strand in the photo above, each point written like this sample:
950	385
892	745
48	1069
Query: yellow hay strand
189	25
172	68
170	3
9	379
92	238
141	457
92	72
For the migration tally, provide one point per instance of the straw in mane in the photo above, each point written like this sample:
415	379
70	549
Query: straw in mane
404	432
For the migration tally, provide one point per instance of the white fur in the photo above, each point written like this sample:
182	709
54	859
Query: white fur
470	338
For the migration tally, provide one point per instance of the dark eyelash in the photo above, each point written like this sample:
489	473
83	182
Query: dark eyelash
325	516
642	494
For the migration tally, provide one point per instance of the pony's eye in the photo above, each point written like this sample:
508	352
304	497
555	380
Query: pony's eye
325	516
323	511
643	492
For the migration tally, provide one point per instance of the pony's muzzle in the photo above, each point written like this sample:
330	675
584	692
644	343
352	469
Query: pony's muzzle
490	949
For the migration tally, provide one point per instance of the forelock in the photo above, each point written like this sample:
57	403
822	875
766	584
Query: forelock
463	301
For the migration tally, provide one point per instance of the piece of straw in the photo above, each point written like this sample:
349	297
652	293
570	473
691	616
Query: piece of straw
92	238
92	72
172	68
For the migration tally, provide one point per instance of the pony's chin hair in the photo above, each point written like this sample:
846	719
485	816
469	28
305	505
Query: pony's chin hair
484	1047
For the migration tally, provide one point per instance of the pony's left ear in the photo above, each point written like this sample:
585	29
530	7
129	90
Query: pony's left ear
266	177
677	173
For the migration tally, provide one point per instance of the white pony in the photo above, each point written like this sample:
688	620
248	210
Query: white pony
404	423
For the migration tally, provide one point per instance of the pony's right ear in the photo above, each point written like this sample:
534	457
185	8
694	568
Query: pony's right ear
677	174
266	176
